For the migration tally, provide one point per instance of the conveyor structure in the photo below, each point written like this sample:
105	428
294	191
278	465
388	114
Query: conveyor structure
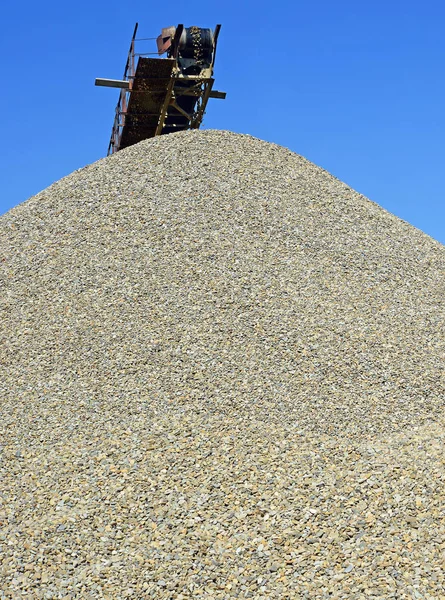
164	95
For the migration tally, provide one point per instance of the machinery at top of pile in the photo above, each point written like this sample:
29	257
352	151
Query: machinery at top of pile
164	95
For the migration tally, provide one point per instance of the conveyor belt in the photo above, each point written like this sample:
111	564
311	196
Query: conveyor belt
147	97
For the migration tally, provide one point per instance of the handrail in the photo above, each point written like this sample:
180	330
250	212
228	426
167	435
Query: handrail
121	108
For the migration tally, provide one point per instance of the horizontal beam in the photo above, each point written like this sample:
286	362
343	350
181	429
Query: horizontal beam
114	83
216	94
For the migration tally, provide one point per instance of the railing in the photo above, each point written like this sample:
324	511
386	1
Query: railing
121	108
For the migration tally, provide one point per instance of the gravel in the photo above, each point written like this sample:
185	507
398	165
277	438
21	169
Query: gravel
221	376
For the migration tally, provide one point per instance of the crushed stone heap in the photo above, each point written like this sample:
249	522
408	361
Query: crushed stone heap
221	375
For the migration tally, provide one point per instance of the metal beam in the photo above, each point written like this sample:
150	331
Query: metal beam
196	121
180	110
165	105
176	39
113	83
216	94
215	42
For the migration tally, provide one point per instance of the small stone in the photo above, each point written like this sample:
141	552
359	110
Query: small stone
224	368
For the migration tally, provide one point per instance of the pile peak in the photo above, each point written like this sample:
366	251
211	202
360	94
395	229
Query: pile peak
214	271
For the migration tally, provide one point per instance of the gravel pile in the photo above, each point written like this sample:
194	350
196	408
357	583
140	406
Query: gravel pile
221	376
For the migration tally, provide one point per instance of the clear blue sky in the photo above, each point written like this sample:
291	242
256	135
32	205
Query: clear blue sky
356	87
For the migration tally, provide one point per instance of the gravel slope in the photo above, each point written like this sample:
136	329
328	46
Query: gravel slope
221	375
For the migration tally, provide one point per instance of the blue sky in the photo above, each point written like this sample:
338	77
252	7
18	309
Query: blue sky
356	87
